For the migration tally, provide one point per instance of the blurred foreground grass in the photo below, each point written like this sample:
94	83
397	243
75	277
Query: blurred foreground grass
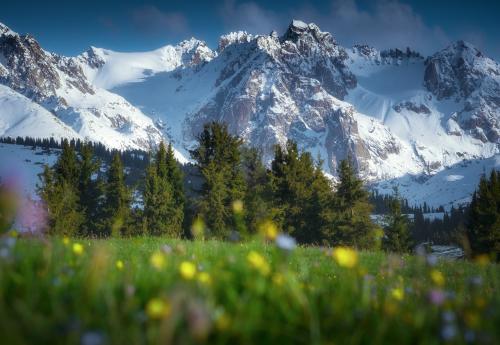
160	291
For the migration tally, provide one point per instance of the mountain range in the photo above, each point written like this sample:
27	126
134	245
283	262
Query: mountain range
403	118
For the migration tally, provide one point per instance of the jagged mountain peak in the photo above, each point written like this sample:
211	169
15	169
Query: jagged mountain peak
233	37
299	30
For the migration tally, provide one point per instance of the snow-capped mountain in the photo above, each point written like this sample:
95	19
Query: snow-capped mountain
400	116
47	94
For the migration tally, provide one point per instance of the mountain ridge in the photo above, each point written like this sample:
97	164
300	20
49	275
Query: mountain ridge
395	112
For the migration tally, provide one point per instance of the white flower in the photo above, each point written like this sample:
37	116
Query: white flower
285	242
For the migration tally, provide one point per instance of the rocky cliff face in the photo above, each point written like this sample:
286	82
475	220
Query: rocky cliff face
461	72
272	88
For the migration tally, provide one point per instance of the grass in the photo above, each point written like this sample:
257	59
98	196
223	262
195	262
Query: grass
161	291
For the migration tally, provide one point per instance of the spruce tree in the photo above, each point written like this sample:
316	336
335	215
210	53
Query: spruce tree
61	201
483	230
257	195
397	235
218	159
352	226
91	191
302	195
164	195
117	200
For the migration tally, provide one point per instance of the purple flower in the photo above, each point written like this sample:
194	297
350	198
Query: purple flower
437	297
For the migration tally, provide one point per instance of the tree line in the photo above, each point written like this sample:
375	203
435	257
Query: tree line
86	193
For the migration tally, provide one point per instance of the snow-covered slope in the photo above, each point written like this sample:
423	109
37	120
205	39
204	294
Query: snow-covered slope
66	100
451	186
20	116
108	69
391	88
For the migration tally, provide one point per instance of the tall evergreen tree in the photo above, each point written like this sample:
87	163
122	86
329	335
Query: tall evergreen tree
397	235
257	194
484	217
58	192
164	195
90	191
352	226
301	194
117	200
218	159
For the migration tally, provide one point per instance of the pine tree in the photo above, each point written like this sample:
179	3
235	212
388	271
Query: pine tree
353	226
218	159
90	191
257	194
117	200
164	195
61	200
302	195
483	230
397	235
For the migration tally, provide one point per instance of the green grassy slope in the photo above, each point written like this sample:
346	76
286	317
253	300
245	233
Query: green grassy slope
160	291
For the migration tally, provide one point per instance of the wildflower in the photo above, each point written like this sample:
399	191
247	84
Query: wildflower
119	265
222	320
285	242
432	260
92	338
78	248
398	294
448	332
204	278
345	257
237	206
269	230
187	270
157	260
198	228
258	262
65	240
157	308
166	249
482	259
437	277
437	297
278	279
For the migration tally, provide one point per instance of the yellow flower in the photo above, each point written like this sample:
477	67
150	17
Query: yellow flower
278	279
238	206
398	294
437	277
482	260
65	240
269	230
345	257
187	270
157	308
78	248
158	260
204	278
119	265
222	320
258	262
198	228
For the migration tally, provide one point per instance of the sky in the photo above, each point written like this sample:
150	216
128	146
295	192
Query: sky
70	27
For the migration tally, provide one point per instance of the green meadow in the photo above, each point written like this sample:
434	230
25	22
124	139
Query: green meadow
162	291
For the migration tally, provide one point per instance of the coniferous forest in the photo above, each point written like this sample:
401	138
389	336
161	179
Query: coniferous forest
229	193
